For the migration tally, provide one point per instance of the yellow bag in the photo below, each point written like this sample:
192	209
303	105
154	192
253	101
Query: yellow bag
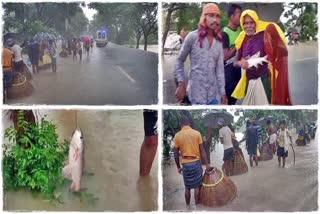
46	59
258	152
239	91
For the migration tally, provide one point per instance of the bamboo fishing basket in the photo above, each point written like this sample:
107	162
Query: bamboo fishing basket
20	87
217	189
266	153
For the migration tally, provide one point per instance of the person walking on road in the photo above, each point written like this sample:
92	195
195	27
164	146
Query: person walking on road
79	48
252	141
226	136
189	143
34	55
53	54
74	49
285	139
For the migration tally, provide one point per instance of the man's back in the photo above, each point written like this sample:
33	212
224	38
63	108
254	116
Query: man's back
271	129
252	135
16	49
187	140
6	59
226	134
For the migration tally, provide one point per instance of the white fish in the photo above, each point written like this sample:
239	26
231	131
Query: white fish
73	170
255	61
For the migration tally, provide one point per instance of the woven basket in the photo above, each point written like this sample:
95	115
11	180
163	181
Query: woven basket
300	142
217	189
26	72
239	164
21	87
63	53
266	153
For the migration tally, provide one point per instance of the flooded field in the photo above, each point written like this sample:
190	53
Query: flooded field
113	140
264	188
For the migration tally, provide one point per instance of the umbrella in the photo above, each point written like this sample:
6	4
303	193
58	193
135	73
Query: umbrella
9	35
41	36
263	120
211	119
85	39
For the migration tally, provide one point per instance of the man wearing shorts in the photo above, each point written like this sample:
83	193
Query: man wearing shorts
16	50
53	54
226	136
285	140
272	132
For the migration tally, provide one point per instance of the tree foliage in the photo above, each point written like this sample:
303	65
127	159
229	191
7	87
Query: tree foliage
57	18
171	125
126	22
302	16
292	117
185	15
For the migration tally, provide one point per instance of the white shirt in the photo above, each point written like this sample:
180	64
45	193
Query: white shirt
226	134
16	50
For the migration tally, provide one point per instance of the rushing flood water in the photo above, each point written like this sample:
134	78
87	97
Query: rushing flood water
263	188
113	140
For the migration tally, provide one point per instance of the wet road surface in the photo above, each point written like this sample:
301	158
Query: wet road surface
112	75
264	188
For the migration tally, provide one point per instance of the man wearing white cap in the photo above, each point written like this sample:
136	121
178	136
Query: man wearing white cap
225	136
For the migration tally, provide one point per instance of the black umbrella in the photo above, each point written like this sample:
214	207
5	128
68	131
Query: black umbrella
211	119
9	35
263	120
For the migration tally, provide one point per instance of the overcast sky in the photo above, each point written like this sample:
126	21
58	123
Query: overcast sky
88	12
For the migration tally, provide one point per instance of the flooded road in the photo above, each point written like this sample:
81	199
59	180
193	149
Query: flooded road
113	75
113	140
264	188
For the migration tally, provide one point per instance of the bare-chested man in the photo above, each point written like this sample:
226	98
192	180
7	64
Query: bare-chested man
272	133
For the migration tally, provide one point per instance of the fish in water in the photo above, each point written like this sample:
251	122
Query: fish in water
255	61
73	170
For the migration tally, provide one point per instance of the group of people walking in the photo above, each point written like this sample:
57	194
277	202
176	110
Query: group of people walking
38	52
75	46
189	143
247	59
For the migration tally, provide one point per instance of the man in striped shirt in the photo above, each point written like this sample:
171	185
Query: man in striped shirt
259	132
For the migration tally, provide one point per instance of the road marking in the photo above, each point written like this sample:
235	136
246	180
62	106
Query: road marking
305	59
126	74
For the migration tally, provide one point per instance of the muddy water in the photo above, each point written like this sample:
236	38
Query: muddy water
264	188
113	140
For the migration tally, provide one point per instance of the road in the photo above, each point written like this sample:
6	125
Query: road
113	75
303	75
264	188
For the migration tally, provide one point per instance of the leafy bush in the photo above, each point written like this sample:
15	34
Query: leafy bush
33	158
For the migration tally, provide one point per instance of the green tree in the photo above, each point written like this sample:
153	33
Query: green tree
182	15
126	21
29	18
171	125
169	9
292	117
302	16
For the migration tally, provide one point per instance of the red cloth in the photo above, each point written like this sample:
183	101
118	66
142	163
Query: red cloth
278	56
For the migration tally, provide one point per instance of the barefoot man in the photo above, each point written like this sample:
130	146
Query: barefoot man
189	143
